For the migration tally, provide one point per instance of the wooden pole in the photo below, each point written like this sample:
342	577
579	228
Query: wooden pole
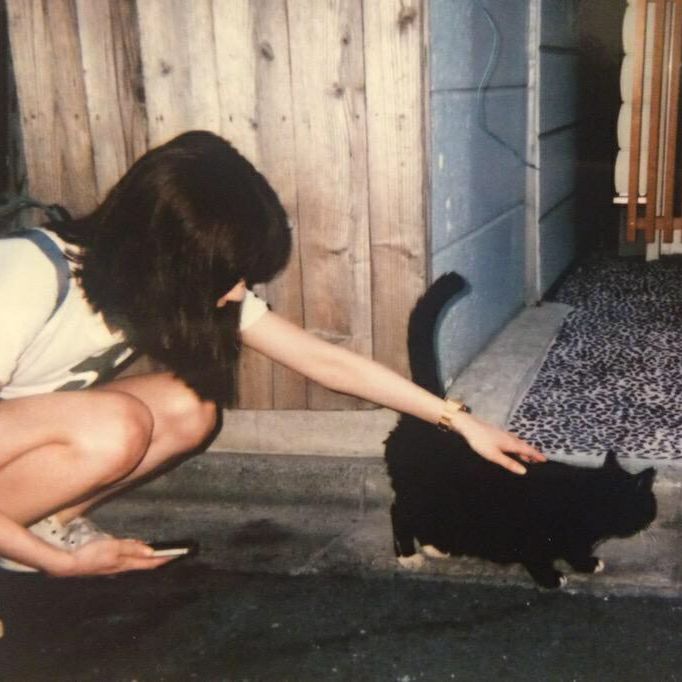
636	124
672	127
655	123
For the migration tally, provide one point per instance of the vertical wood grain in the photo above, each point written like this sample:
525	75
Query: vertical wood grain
236	68
655	123
178	55
52	101
113	82
393	63
331	171
252	52
325	99
277	159
636	124
672	124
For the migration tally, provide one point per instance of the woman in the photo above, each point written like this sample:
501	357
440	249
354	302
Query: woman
162	266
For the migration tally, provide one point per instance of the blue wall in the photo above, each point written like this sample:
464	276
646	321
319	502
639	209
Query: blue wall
478	186
481	199
558	120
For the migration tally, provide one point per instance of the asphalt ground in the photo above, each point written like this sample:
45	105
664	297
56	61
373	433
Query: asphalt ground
191	621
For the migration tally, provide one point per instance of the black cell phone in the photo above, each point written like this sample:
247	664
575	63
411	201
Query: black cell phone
175	548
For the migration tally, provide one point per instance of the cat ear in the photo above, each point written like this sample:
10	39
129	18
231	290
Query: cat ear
645	479
611	461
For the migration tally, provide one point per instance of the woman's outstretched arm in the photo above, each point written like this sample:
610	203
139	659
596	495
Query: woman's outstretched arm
346	372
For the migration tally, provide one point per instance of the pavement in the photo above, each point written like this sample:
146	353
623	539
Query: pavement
296	579
193	621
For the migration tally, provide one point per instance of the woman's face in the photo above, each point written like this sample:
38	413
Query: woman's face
234	295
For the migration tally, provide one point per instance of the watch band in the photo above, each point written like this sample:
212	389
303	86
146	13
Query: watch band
451	407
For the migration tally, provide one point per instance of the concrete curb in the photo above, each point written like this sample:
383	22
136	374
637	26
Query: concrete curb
241	478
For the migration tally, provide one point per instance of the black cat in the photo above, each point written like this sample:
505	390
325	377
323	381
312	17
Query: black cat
452	501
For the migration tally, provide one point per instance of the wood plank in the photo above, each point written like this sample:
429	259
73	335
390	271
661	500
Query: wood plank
277	156
395	125
236	65
636	123
672	127
655	124
178	55
113	82
54	117
331	161
255	99
659	223
13	173
182	81
220	66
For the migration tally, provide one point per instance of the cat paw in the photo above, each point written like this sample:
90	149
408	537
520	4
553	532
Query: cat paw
546	576
413	562
587	565
434	552
556	582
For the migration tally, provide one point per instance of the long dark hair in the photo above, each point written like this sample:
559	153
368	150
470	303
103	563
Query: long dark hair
185	223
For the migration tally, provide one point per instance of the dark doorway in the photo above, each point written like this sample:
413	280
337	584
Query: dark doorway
601	52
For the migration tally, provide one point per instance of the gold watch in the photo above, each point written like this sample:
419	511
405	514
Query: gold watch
451	407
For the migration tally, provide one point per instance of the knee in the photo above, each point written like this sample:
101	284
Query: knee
115	437
186	417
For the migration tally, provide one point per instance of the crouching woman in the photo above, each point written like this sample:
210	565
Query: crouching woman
163	267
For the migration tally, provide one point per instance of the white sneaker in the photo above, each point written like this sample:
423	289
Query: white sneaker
74	534
80	531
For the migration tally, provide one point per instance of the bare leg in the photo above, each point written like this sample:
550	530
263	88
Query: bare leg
47	446
182	422
64	451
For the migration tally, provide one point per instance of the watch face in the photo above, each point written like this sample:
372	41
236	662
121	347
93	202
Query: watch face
458	404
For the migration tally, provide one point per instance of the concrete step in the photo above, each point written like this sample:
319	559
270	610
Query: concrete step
241	478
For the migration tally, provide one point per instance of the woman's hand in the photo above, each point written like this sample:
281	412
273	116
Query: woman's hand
105	557
492	443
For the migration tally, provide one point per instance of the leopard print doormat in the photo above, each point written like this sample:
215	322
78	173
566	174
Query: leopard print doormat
612	378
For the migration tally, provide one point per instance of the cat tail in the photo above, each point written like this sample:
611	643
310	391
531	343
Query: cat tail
421	331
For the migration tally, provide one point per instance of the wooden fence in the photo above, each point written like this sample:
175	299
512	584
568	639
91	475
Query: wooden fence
326	97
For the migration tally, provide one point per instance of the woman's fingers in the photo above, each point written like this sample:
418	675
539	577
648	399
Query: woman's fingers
136	556
492	443
524	450
507	462
515	446
142	564
105	557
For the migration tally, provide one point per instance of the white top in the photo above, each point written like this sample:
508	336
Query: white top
71	349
